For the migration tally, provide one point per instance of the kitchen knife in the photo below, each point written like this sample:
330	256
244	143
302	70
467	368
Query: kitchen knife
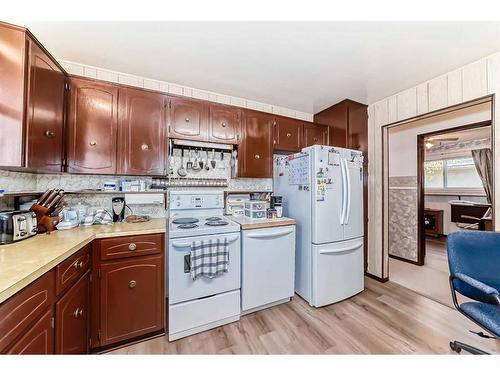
43	196
49	198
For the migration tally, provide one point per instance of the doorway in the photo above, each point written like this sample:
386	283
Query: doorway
433	189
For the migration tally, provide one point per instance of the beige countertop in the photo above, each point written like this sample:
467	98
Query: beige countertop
23	262
247	223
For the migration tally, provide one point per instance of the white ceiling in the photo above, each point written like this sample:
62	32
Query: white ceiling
305	66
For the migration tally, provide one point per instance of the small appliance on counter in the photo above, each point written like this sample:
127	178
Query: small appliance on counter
276	204
16	226
118	204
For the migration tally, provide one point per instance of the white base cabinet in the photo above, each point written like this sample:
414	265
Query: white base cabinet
268	266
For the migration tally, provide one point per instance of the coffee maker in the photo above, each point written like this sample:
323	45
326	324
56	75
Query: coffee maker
118	204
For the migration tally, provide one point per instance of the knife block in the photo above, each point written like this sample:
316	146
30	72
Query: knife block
45	222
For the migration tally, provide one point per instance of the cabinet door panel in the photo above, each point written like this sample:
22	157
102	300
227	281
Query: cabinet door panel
315	134
19	311
256	155
39	339
92	126
72	319
142	132
187	119
12	79
224	124
287	134
131	298
45	107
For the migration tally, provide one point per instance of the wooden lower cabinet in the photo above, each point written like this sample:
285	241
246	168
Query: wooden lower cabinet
72	319
131	298
39	339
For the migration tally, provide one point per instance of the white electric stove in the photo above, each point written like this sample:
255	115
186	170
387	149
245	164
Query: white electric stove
204	303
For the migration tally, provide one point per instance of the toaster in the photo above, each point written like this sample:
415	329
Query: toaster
16	226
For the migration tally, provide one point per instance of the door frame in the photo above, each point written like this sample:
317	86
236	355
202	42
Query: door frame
421	249
384	187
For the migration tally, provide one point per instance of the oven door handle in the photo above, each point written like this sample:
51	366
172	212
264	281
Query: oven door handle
180	245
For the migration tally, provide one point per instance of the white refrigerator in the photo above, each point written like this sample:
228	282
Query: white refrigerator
322	189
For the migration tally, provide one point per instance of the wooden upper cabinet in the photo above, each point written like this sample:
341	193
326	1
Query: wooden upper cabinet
287	134
31	103
92	127
357	138
315	134
131	298
72	319
45	112
142	132
256	149
187	119
224	124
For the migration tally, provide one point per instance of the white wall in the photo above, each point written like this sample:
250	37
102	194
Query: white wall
403	138
476	80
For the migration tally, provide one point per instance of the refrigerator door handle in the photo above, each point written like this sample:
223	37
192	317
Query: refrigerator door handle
348	178
344	192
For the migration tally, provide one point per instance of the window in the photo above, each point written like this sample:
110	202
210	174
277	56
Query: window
451	174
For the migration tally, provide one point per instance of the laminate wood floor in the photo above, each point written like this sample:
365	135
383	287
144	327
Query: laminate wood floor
383	319
431	279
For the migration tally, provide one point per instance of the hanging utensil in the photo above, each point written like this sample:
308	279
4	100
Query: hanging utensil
207	166
196	165
201	163
181	171
189	164
170	157
212	162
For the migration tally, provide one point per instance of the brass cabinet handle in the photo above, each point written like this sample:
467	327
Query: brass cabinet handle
223	124
144	147
78	313
186	119
132	284
315	139
78	264
93	143
288	135
257	156
132	246
49	133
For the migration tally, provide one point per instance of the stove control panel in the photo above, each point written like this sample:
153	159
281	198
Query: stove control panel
185	200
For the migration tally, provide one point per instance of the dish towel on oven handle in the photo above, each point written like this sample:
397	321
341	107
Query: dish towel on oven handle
209	258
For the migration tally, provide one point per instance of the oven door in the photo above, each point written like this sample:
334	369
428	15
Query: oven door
182	287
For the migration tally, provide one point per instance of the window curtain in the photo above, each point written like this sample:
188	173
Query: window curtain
483	160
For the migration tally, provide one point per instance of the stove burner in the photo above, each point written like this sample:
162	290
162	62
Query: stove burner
185	220
216	223
213	218
188	226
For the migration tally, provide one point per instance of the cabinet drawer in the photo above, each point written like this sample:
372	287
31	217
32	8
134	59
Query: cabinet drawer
124	247
21	310
72	269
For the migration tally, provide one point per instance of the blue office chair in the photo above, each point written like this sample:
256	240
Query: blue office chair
474	261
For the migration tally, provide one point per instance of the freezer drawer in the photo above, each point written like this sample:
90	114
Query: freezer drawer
268	266
338	271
